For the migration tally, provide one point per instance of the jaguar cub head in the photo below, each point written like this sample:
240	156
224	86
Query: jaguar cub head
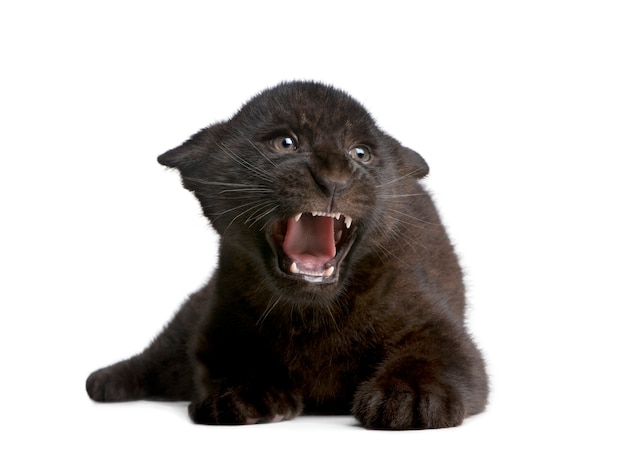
299	181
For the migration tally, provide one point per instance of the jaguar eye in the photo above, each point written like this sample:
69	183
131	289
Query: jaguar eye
284	144
360	154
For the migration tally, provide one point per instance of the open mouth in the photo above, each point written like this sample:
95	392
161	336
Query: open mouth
311	246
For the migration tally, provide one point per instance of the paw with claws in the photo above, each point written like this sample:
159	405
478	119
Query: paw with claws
240	406
412	397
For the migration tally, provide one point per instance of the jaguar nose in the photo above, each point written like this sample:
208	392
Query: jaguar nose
331	172
332	185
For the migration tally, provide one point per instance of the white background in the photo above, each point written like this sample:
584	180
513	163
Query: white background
519	108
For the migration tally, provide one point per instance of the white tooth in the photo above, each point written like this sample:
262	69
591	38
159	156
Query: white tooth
348	222
328	272
294	268
297	217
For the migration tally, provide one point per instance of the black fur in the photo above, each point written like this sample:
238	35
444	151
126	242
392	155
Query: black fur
380	335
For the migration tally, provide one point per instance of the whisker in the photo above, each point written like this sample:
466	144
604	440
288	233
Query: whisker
329	309
257	190
268	310
403	177
418	220
403	236
248	204
251	167
234	187
261	216
251	209
260	152
222	183
393	196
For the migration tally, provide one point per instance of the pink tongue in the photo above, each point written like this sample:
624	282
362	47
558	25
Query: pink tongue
311	241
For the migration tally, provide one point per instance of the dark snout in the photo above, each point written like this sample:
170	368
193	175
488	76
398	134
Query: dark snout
332	172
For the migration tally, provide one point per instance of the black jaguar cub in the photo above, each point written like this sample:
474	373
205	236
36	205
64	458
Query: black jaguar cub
337	288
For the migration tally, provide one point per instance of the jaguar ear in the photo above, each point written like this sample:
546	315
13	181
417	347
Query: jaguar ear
195	150
415	163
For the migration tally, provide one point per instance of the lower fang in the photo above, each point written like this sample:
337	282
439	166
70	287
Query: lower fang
328	272
294	268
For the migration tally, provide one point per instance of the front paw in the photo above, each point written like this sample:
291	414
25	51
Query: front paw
412	396
238	406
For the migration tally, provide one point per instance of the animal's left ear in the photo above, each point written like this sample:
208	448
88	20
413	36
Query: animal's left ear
415	163
195	150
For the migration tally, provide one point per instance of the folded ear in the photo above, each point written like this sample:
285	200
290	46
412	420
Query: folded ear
195	150
415	163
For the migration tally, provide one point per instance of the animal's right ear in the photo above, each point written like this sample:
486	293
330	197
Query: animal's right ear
195	150
416	162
